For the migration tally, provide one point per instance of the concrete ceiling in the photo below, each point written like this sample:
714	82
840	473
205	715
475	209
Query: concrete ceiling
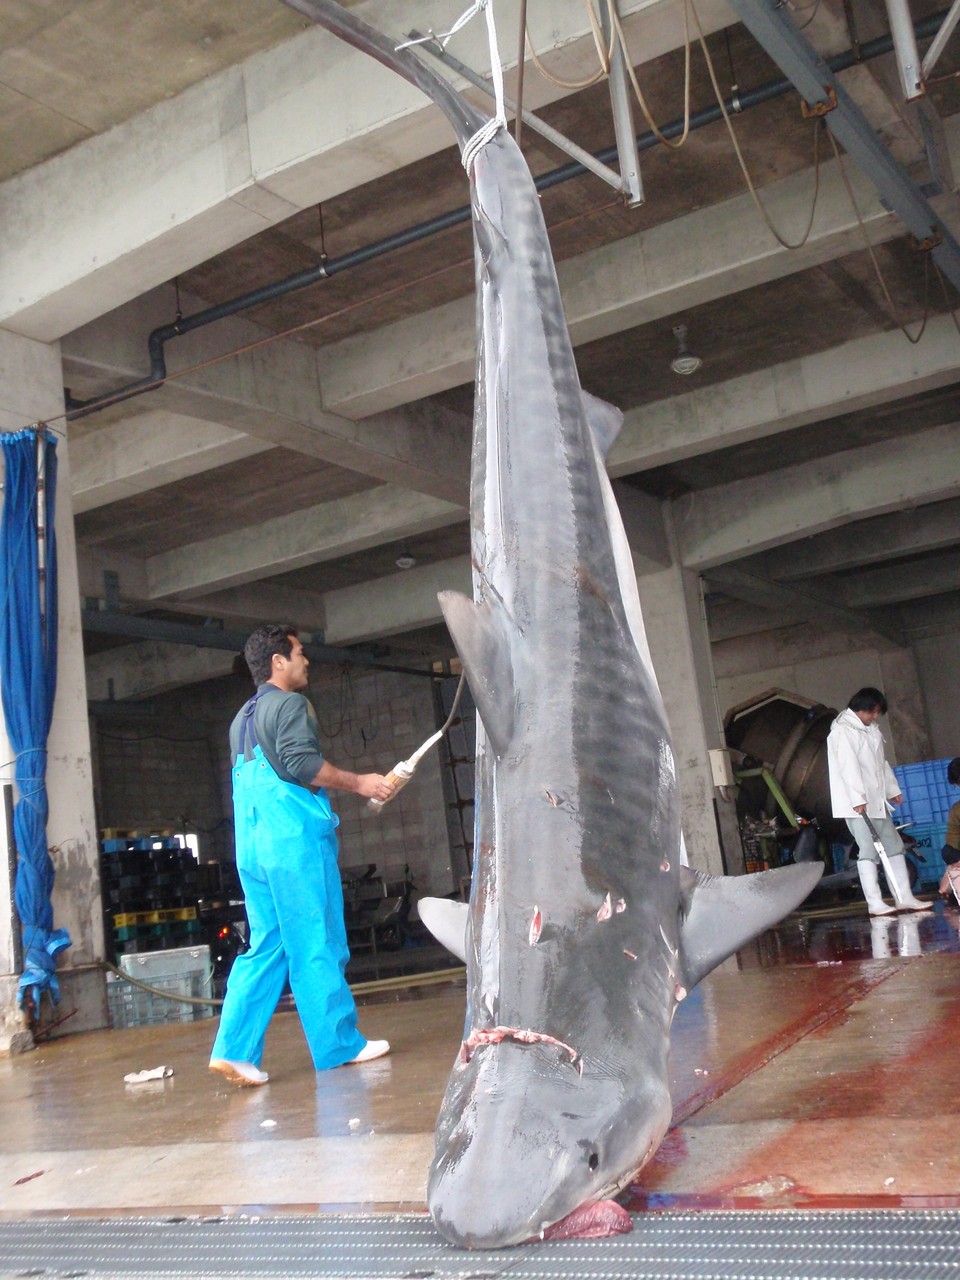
169	158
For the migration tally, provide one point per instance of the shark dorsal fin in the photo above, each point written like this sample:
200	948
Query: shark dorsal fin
605	421
719	914
480	634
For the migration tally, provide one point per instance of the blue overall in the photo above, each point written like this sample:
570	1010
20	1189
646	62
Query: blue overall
287	861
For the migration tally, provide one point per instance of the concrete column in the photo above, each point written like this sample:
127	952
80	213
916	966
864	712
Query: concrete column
908	718
680	648
31	391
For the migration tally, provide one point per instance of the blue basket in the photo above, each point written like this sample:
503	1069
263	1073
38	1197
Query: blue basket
930	841
927	796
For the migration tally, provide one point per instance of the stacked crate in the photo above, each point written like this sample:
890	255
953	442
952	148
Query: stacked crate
182	972
150	890
927	798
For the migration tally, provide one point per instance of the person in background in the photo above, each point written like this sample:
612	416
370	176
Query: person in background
950	853
862	785
287	862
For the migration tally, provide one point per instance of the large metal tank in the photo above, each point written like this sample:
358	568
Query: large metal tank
787	733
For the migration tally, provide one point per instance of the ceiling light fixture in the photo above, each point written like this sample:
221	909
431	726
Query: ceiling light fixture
683	362
405	560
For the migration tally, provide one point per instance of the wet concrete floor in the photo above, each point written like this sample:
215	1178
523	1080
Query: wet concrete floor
816	1068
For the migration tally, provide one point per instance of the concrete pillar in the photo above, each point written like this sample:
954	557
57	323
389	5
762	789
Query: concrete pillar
908	718
680	648
31	391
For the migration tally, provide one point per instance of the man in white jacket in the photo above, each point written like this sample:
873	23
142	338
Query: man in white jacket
862	785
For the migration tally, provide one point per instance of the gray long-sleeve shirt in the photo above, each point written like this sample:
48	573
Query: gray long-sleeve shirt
286	729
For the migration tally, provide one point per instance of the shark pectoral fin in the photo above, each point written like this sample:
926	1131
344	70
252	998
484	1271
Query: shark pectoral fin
721	913
447	921
480	635
605	421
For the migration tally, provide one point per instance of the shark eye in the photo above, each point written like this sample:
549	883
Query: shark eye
593	1162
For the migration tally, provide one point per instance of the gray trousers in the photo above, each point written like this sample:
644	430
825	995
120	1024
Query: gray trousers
888	833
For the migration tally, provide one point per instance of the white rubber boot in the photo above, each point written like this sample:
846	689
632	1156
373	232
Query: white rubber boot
898	879
870	884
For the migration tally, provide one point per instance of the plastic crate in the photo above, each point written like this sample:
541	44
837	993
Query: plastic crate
930	839
181	971
927	796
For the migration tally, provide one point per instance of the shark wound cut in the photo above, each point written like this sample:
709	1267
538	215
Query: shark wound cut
496	1035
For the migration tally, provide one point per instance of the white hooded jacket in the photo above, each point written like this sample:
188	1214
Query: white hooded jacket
859	773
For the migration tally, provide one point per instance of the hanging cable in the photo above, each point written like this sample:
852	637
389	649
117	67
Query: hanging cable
323	238
403	771
604	52
787	244
894	313
951	306
617	27
521	64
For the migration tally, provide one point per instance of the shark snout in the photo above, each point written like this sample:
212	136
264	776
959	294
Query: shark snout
534	1141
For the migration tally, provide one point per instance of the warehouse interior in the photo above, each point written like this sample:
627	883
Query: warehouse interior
237	285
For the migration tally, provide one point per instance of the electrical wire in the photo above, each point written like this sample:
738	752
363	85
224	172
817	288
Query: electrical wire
787	244
604	53
155	991
951	307
617	27
894	312
802	8
456	703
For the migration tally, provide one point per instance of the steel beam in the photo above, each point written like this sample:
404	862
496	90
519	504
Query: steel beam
621	106
559	140
767	21
940	40
905	47
133	626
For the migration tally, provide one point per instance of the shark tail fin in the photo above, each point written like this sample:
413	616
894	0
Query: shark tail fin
721	913
480	634
447	921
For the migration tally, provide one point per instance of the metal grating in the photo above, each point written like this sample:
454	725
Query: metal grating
894	1244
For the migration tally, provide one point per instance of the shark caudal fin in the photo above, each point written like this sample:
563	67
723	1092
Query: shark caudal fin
447	921
480	634
721	913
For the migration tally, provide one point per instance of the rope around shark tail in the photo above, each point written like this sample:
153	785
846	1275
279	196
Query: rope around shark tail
475	145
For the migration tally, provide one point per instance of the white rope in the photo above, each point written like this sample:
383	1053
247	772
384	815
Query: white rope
475	145
483	135
442	41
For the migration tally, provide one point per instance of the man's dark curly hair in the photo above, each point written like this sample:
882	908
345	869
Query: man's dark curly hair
262	644
867	699
953	772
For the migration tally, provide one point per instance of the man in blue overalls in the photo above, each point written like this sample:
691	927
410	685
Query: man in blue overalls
287	860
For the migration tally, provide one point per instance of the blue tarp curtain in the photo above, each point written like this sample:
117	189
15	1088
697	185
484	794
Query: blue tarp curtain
28	681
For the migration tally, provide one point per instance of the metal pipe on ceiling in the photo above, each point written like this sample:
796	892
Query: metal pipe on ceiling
905	47
113	622
941	38
158	339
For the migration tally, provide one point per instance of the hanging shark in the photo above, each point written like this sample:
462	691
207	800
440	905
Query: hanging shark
584	931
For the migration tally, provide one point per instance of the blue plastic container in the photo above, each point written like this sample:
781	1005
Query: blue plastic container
927	796
929	843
